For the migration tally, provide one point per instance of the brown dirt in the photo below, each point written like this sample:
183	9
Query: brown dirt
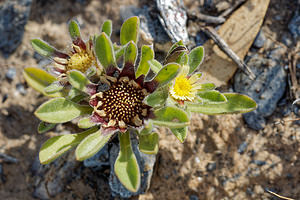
181	169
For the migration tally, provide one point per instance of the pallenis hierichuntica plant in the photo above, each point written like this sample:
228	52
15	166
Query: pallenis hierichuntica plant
89	82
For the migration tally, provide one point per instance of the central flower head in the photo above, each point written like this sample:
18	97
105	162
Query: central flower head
118	101
81	61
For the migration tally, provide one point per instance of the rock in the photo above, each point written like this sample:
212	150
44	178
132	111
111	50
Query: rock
21	89
222	5
99	160
2	177
194	197
4	98
259	162
276	54
201	38
13	18
146	163
52	178
259	40
267	89
11	73
294	25
242	147
211	166
287	39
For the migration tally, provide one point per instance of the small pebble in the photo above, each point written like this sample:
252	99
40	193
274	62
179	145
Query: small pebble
194	197
197	160
211	166
249	191
242	147
21	89
259	40
37	57
4	98
10	74
259	162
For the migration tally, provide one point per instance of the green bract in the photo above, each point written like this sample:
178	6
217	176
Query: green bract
128	99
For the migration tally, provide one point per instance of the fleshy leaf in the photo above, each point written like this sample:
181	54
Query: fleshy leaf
158	97
147	54
207	86
79	81
130	30
167	73
42	47
148	144
119	52
75	95
91	145
107	27
53	87
104	51
85	123
236	103
183	60
147	128
167	115
39	80
175	55
155	66
175	45
56	146
212	97
195	58
44	127
130	53
126	166
60	110
74	30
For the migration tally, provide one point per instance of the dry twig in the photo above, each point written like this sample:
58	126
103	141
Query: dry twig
232	8
222	44
206	18
7	158
279	196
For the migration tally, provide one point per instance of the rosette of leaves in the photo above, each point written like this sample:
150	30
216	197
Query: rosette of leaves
116	104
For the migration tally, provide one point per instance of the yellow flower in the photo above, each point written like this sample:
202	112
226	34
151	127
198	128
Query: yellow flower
185	87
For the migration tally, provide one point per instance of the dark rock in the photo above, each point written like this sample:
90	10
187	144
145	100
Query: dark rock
259	40
249	191
287	39
21	89
242	147
259	162
10	74
294	25
193	197
13	18
267	89
276	54
37	57
2	177
201	38
99	160
4	98
146	163
211	166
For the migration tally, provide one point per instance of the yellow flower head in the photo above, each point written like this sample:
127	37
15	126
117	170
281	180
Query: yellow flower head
185	87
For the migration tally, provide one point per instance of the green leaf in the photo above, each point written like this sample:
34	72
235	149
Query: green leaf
44	127
107	27
195	58
60	110
42	47
91	145
104	51
155	65
78	80
143	67
130	30
85	123
167	73
56	146
168	115
175	45
175	55
207	86
236	103
126	166
53	87
119	52
183	60
130	53
39	80
74	30
76	95
158	97
212	97
170	124
148	144
147	128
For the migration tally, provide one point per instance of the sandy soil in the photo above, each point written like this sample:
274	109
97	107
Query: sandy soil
208	165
